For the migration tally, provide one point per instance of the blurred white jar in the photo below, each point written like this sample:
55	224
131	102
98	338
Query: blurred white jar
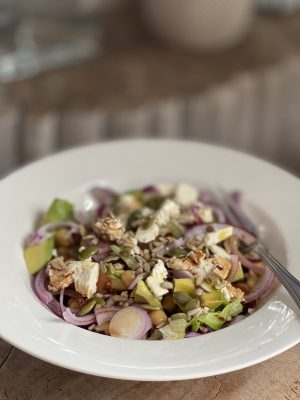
199	24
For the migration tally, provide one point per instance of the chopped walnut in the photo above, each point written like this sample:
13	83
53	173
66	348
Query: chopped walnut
129	241
234	292
189	263
109	228
61	276
223	267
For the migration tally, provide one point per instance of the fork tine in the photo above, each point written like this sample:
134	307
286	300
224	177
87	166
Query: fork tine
244	220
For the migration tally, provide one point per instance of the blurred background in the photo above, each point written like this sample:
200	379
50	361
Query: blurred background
74	72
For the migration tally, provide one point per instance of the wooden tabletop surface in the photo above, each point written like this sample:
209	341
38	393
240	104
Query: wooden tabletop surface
23	377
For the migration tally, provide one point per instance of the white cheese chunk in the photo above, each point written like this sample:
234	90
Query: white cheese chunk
146	235
86	274
185	194
158	274
169	209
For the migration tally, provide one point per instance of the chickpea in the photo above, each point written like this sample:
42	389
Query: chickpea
168	303
158	316
63	238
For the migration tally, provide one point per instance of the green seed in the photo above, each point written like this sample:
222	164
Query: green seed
111	258
115	249
100	301
148	307
88	252
181	298
179	252
87	307
192	304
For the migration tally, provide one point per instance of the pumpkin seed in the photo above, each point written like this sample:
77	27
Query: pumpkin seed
192	304
87	307
148	307
88	252
181	298
99	301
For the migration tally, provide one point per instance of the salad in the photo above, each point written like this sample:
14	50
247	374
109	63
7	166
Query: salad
160	262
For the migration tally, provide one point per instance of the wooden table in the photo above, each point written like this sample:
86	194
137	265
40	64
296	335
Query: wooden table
23	377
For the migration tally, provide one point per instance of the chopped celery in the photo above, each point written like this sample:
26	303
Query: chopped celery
212	320
231	310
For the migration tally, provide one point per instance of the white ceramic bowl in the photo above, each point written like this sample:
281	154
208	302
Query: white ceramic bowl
28	325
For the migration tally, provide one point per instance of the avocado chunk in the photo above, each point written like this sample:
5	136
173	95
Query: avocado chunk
37	255
59	210
239	276
186	285
213	299
142	291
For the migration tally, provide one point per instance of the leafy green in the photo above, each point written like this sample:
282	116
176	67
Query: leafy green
175	329
216	319
231	310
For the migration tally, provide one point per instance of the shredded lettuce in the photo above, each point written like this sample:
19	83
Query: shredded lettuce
215	320
175	329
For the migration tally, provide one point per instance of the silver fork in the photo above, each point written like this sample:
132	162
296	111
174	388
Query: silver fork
236	216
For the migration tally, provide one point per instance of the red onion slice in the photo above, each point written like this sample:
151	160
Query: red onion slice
136	280
236	319
102	195
262	286
130	323
231	247
105	314
198	230
192	334
74	295
219	214
61	301
196	215
78	321
151	189
102	252
102	210
237	197
40	286
234	267
43	232
54	306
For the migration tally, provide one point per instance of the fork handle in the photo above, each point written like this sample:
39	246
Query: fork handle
289	281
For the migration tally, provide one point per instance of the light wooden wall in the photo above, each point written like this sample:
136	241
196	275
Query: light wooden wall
258	113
